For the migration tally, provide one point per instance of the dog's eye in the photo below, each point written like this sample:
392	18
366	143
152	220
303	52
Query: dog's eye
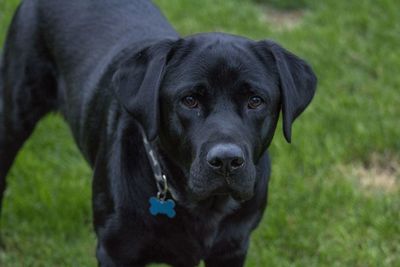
254	102
190	101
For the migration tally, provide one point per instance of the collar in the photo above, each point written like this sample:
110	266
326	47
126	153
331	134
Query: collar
159	204
159	176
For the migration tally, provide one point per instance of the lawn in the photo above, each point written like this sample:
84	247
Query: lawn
335	192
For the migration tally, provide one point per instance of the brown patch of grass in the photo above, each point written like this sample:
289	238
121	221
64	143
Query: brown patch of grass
380	173
281	20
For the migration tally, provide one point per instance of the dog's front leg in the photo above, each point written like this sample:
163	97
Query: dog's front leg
102	257
230	253
236	260
119	229
105	261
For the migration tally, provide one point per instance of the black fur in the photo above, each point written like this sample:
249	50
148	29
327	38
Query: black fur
111	67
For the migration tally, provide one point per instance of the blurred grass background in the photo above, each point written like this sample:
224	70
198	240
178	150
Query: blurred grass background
334	194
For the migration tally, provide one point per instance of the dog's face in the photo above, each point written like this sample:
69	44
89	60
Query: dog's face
219	108
214	101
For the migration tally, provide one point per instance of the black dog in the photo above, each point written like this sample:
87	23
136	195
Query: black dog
208	104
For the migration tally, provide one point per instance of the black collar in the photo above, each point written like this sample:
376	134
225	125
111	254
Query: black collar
159	176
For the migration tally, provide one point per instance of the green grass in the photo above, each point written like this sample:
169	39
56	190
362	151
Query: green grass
317	215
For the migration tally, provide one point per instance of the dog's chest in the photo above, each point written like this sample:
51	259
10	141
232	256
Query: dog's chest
185	241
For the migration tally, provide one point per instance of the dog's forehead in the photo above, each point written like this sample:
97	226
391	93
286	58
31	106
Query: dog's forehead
212	51
216	59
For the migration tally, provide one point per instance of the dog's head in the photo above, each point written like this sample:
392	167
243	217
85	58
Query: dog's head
213	100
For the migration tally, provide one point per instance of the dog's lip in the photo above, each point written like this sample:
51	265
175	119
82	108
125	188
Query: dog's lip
220	192
242	197
215	201
204	196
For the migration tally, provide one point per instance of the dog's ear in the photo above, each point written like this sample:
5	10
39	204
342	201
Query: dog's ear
297	83
137	81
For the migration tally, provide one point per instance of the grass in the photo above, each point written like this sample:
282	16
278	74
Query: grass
319	213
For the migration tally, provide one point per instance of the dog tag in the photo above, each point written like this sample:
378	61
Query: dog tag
166	207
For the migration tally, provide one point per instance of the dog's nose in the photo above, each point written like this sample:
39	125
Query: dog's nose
225	158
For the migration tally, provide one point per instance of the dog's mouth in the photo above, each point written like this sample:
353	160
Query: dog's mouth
218	194
215	202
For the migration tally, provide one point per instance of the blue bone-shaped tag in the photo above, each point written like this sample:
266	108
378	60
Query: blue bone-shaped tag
165	207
